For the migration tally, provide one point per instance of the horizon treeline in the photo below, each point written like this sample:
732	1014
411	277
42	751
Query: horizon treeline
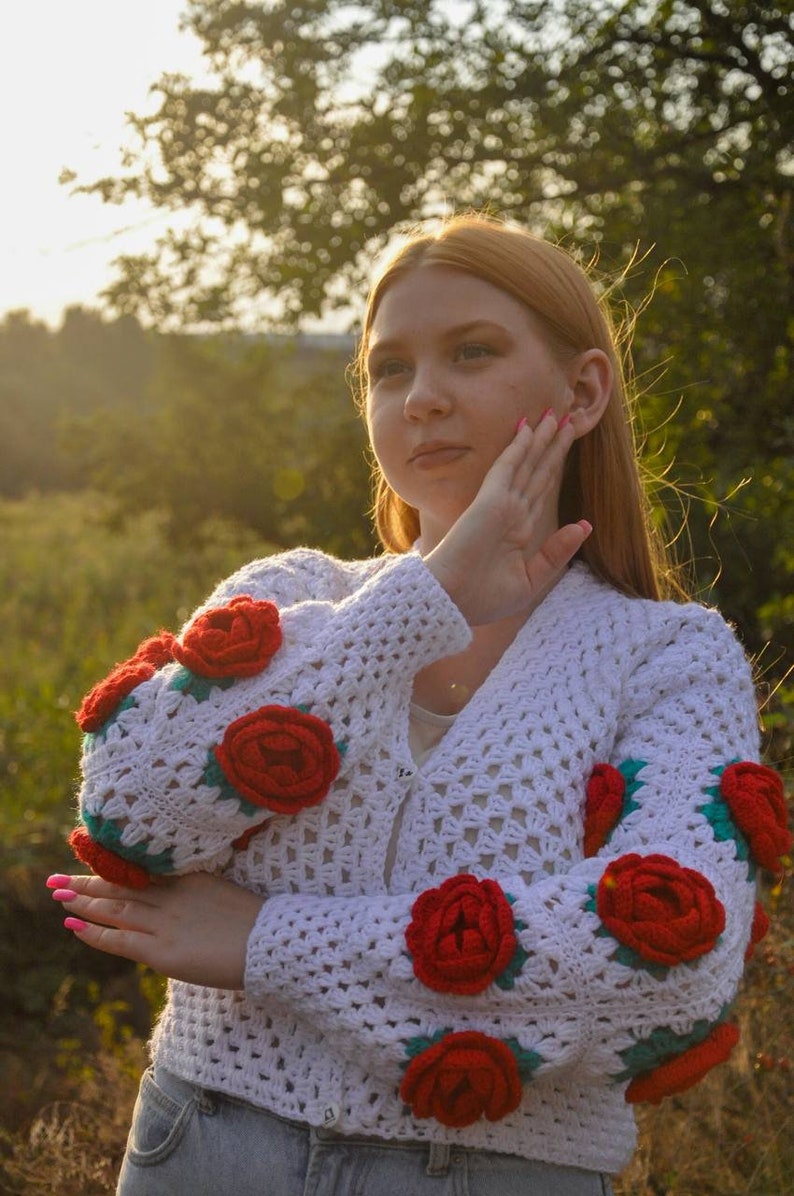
258	430
261	431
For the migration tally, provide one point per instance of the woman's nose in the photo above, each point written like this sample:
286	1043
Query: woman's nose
427	396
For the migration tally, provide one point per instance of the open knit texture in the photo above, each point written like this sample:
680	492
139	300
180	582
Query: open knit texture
447	953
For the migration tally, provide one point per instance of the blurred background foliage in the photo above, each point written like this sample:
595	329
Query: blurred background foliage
652	132
148	448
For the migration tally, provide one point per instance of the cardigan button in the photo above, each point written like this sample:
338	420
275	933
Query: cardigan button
330	1115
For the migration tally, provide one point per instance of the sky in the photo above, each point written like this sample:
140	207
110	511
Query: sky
69	71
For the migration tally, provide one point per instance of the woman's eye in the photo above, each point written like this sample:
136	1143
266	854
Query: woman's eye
472	350
390	367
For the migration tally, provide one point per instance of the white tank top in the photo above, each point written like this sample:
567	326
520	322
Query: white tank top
425	730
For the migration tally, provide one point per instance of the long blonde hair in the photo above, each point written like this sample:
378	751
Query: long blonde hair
602	481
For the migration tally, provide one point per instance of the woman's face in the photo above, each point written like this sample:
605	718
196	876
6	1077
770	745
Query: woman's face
453	364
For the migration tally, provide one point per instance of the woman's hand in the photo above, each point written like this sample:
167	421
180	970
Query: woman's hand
505	551
193	928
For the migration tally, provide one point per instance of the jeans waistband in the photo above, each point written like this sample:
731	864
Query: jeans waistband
208	1100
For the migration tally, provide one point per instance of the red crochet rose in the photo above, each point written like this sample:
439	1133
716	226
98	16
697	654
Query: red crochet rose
461	935
100	702
604	795
758	930
462	1078
106	863
754	795
157	650
279	757
686	1070
235	640
666	913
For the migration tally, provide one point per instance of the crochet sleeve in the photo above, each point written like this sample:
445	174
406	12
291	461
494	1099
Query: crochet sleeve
624	965
260	708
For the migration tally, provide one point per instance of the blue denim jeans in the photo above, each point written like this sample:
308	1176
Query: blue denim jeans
187	1141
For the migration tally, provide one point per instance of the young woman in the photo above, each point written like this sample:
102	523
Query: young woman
453	850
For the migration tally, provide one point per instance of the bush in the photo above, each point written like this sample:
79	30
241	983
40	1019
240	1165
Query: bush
78	593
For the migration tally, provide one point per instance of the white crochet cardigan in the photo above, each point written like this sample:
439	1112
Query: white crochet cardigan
333	1010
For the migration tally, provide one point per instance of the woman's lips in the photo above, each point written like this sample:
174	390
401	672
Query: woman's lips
434	455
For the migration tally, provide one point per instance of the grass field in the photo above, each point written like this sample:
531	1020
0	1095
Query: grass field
78	593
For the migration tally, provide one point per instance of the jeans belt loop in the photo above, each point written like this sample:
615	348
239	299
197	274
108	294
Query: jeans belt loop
438	1158
206	1101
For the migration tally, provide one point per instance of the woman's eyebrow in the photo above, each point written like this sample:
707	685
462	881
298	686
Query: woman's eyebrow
390	344
472	325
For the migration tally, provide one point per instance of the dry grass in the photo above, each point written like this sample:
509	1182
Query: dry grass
74	1147
68	1076
67	1079
733	1135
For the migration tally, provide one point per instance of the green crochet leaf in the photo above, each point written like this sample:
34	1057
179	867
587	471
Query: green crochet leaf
528	1061
216	778
506	979
719	818
198	688
632	959
629	769
718	815
416	1046
109	833
661	1045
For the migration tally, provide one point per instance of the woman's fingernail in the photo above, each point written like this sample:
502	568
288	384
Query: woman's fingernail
64	895
585	526
566	419
75	924
57	881
549	411
522	423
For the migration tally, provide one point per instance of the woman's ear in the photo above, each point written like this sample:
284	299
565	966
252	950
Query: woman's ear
590	380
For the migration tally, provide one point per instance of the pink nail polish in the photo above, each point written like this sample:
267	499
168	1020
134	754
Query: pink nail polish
566	419
75	924
521	424
57	881
64	895
585	526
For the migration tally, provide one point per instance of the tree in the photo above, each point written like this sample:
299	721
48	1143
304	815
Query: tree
331	123
27	450
242	429
47	378
662	125
657	129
